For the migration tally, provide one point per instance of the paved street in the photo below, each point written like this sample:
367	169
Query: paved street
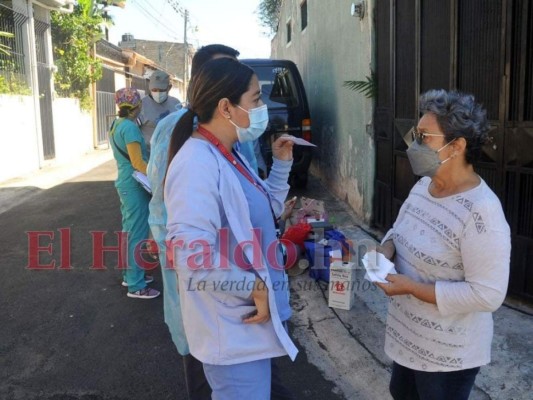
73	334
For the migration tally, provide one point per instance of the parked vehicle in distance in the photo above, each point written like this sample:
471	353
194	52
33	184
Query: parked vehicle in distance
283	92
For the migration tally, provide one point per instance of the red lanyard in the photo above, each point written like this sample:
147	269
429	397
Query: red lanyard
209	136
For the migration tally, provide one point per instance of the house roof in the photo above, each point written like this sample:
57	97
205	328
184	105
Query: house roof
105	49
116	56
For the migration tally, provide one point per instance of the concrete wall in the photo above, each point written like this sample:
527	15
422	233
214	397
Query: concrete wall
73	132
169	55
21	150
333	48
20	154
120	81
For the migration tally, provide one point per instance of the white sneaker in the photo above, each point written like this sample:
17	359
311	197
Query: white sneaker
147	278
146	293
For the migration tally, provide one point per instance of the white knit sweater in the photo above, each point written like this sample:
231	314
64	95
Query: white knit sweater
462	243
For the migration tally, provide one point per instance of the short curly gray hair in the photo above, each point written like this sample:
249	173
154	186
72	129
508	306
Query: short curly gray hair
458	115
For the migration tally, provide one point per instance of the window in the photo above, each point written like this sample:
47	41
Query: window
278	86
289	31
303	11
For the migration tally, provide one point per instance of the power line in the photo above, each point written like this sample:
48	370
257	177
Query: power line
176	6
157	22
162	17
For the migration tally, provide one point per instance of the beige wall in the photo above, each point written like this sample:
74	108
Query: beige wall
333	48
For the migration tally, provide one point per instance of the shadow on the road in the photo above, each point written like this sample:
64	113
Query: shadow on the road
71	333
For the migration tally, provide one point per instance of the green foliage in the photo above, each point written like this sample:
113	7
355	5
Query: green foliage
10	81
73	37
4	49
368	87
268	11
13	85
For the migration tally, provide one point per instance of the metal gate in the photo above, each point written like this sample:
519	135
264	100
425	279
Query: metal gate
105	103
13	71
480	46
105	111
44	76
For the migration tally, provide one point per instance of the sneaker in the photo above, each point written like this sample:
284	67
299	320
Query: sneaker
147	278
146	293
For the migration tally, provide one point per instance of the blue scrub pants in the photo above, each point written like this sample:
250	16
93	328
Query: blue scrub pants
134	208
250	380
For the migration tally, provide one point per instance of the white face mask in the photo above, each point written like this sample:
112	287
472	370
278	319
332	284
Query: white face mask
159	97
258	123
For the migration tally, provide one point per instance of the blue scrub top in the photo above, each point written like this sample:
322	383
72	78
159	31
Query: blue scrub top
126	131
262	218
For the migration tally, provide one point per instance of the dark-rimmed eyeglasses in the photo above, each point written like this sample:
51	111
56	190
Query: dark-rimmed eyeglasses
420	136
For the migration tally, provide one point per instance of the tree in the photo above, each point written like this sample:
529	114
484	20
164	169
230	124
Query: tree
73	38
268	11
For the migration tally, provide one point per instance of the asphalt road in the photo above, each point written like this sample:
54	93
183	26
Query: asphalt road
71	333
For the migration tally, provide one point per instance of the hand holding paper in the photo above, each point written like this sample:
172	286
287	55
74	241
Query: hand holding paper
299	141
143	180
377	266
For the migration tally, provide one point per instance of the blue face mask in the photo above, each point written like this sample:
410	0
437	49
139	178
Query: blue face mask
159	97
258	122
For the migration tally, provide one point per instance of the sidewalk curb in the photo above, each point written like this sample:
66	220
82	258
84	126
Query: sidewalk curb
506	377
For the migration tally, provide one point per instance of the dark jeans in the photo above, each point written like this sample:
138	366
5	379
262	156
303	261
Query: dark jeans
409	384
195	381
198	387
278	391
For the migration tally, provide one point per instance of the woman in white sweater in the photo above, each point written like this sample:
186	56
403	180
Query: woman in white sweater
451	247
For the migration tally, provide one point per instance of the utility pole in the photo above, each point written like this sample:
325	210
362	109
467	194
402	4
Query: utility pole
185	51
185	13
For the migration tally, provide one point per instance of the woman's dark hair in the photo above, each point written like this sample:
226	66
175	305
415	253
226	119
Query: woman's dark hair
125	111
458	115
217	79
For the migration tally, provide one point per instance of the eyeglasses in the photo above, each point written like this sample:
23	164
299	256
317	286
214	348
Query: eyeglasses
420	136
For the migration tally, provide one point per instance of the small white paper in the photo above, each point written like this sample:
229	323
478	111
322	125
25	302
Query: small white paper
377	267
299	141
143	180
309	220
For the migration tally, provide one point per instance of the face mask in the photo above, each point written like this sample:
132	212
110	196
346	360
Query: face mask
159	97
258	123
425	161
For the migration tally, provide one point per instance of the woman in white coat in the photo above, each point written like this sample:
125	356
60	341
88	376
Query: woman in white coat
222	233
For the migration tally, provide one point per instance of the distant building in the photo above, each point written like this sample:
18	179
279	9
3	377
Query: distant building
169	55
